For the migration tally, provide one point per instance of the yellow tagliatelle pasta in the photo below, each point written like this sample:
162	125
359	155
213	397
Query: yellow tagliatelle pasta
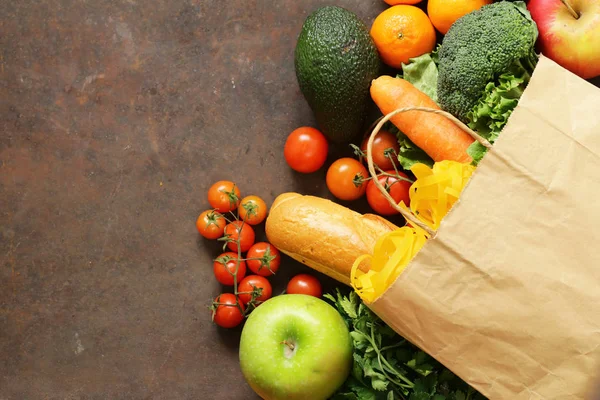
432	195
436	190
393	251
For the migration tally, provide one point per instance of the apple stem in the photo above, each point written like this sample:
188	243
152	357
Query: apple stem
289	345
567	4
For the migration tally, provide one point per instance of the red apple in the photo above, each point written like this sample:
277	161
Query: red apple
570	33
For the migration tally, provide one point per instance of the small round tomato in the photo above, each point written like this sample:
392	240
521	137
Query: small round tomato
306	150
224	268
211	224
227	312
346	179
257	284
224	196
304	284
383	140
253	210
263	259
237	230
397	188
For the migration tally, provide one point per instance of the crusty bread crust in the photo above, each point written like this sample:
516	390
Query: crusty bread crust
324	235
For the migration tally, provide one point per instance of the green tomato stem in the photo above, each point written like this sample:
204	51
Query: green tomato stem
237	266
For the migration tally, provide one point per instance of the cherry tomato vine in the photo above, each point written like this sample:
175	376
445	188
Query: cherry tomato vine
389	153
395	182
235	230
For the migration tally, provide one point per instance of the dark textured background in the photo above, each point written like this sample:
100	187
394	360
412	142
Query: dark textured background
116	117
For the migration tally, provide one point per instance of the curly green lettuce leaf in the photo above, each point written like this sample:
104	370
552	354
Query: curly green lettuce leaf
494	108
477	151
409	154
422	72
496	105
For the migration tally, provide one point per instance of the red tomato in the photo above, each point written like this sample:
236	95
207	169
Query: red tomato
306	150
263	259
224	268
397	188
343	176
228	312
237	230
251	283
383	140
253	210
224	196
304	284
211	224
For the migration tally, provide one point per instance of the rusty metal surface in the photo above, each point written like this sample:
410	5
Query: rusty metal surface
116	116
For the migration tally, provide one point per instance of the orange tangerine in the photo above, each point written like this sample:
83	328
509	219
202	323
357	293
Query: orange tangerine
443	13
396	2
402	32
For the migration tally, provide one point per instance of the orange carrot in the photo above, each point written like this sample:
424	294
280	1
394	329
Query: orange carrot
439	137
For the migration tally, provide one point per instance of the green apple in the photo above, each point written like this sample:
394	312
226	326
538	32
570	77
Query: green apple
295	346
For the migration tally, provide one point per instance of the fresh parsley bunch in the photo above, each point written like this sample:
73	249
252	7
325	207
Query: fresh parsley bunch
387	366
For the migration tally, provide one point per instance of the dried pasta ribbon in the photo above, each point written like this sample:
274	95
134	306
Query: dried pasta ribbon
393	251
432	195
436	189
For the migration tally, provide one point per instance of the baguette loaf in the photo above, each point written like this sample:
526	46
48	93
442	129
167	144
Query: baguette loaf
323	235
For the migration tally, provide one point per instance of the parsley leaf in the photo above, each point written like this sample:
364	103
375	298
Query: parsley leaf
349	308
419	396
388	367
459	396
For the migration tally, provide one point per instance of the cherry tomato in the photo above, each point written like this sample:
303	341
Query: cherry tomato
304	284
211	224
383	140
224	196
306	150
253	210
344	179
251	283
224	268
397	188
237	230
228	312
263	259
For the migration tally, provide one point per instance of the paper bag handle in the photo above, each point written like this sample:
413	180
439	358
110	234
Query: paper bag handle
407	214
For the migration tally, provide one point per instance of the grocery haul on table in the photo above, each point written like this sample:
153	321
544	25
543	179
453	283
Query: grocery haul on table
475	273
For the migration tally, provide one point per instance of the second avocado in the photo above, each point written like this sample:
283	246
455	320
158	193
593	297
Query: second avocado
335	61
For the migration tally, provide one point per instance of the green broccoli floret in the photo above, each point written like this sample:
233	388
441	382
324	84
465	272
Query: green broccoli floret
481	46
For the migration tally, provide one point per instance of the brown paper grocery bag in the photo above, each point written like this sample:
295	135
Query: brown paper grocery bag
507	294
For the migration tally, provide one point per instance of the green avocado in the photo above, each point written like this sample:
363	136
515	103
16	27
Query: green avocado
335	61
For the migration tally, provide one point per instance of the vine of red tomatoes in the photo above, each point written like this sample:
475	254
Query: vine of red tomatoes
231	220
